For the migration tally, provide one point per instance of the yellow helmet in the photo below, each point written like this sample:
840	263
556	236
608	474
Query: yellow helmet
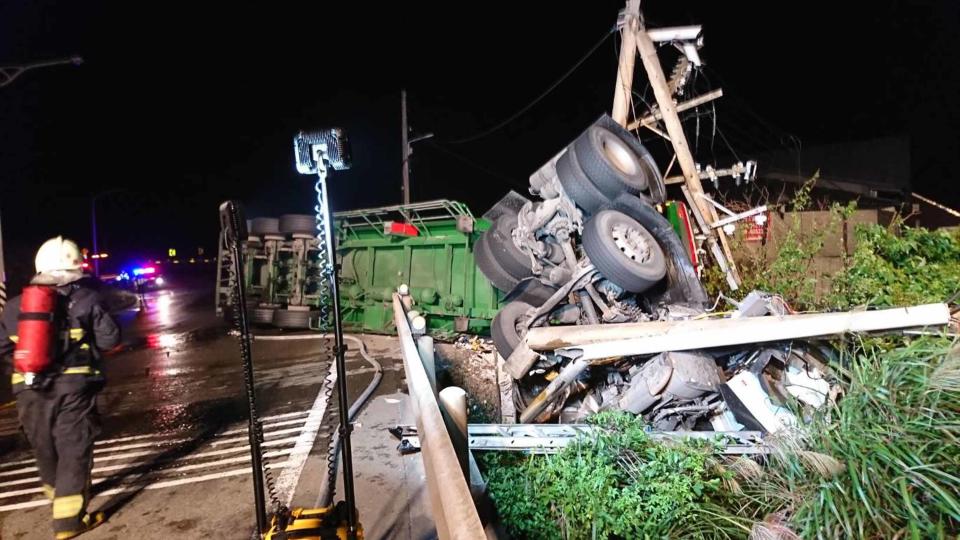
58	254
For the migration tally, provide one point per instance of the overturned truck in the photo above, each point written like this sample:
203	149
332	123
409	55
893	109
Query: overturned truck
594	251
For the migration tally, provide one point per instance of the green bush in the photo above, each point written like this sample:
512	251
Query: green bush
891	266
914	267
619	484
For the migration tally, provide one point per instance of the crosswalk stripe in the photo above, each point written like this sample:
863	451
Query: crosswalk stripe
14	430
224	451
181	469
155	485
217	440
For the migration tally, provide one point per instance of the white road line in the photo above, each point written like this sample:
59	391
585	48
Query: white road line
228	432
268	426
221	434
287	482
169	433
184	468
224	451
215	441
155	485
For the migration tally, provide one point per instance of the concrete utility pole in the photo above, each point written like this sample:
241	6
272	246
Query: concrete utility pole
717	241
406	147
407	143
628	52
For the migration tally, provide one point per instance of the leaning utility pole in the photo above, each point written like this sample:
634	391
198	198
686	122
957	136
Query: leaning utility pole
628	53
406	147
651	63
635	34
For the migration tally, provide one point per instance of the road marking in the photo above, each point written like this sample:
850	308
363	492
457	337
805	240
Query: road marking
217	440
184	468
155	485
267	455
287	482
212	453
169	433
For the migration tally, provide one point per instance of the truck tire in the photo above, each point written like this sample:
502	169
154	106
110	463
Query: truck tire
623	251
262	315
298	224
503	330
577	185
613	165
293	319
682	286
499	241
490	267
264	225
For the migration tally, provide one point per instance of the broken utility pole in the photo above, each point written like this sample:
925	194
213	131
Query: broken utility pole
634	32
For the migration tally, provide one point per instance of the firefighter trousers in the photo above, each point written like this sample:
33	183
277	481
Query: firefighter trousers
61	423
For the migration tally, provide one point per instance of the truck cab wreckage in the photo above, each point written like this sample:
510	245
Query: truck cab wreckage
598	301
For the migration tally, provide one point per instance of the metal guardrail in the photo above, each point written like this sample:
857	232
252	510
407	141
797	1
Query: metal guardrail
551	438
454	511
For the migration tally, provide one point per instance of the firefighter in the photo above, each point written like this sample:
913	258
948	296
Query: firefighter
57	406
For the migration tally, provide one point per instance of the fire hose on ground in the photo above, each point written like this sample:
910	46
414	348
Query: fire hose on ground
325	497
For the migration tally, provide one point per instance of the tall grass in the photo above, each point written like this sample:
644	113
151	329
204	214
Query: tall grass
884	463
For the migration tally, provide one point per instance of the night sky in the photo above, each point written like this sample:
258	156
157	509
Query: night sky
182	105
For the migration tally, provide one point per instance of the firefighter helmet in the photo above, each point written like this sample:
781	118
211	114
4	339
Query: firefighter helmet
58	254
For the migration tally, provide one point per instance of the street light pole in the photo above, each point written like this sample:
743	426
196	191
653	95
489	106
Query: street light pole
7	75
406	147
406	144
93	234
3	273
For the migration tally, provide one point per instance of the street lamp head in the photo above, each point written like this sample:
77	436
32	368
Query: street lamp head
76	60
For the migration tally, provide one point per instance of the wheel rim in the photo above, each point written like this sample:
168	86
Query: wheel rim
619	155
631	242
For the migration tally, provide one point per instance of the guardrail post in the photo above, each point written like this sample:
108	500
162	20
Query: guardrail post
425	348
453	405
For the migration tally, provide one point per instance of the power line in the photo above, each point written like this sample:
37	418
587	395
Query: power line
538	98
468	161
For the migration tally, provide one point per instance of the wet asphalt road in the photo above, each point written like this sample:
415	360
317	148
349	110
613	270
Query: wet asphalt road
173	459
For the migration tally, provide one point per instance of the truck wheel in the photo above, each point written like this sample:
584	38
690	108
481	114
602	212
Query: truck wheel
623	251
504	331
490	267
499	241
262	315
577	185
292	319
298	224
264	225
613	165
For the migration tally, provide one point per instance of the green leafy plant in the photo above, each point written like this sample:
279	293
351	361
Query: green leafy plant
888	269
618	484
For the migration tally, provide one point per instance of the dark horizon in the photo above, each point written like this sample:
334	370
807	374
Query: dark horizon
186	105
